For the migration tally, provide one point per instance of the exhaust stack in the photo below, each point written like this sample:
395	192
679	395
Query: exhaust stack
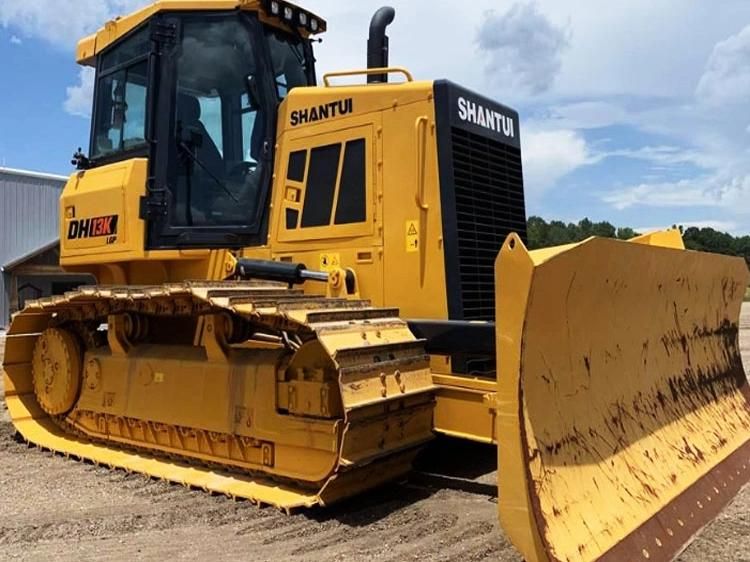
377	44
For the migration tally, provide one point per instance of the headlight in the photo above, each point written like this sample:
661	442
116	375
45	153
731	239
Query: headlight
288	13
314	25
275	8
303	19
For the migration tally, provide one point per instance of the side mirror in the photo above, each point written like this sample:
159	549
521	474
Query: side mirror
80	160
253	92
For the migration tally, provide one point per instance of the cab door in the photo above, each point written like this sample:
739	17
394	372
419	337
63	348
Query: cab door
215	121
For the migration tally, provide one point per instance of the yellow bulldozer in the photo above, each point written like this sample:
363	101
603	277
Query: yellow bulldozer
299	285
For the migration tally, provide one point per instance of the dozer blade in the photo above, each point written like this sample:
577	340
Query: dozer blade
623	406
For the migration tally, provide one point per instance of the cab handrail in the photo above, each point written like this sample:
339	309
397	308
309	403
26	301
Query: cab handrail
367	72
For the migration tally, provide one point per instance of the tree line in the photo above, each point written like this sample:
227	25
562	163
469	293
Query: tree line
542	234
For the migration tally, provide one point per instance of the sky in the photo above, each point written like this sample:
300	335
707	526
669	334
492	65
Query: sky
634	112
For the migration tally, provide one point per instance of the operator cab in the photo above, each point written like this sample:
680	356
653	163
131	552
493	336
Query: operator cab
197	94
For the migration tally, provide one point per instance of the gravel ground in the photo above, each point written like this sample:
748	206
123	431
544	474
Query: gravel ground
55	509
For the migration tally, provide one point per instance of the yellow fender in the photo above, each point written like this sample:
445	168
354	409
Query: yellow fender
623	407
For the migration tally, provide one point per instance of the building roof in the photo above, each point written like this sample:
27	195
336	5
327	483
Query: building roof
30	174
15	262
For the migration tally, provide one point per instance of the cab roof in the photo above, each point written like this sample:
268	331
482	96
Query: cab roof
114	29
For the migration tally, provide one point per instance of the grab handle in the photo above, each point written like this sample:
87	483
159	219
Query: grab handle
421	128
367	72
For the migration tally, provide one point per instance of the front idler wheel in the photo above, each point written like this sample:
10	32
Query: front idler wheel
56	371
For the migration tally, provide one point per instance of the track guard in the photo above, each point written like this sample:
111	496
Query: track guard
624	409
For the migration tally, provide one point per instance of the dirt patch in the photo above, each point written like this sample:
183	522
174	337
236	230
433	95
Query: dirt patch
52	508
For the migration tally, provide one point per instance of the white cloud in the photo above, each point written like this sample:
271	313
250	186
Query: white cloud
588	114
639	47
721	226
524	49
719	190
681	193
62	22
550	155
727	75
714	128
79	98
662	154
16	40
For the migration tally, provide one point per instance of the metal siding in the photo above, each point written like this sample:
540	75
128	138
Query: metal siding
29	219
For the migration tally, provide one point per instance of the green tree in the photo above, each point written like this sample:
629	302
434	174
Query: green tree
542	234
626	233
604	230
536	233
710	240
559	233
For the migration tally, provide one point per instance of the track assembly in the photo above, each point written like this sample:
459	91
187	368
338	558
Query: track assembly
251	390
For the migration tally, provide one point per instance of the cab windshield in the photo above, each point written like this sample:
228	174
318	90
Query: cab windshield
223	113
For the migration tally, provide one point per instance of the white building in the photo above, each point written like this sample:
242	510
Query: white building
29	240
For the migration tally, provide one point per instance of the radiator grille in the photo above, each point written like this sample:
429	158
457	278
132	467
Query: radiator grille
489	205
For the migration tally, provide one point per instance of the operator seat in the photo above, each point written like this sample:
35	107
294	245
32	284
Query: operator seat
201	186
189	116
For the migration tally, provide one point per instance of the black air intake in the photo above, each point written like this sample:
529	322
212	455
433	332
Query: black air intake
489	205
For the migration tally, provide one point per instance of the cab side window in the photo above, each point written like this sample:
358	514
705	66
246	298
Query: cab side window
121	93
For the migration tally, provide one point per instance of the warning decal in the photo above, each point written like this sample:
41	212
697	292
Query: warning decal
329	262
412	236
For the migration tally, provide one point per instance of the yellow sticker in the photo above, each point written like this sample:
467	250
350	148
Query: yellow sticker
412	236
329	262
